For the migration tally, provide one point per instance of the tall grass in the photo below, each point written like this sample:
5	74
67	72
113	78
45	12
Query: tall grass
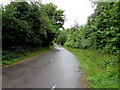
102	69
13	56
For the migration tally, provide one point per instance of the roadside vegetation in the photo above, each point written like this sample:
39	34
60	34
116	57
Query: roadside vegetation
28	27
102	69
15	56
96	45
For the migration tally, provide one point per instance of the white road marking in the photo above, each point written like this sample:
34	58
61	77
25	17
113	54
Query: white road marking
51	60
53	87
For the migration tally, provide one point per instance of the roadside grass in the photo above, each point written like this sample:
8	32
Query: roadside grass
102	69
11	57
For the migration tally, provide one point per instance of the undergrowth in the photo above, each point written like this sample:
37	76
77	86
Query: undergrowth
102	69
13	56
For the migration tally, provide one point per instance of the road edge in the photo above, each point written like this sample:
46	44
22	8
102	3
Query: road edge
28	58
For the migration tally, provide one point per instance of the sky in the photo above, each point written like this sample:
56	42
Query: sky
75	10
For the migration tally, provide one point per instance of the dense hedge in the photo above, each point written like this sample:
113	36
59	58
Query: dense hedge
31	24
102	32
101	39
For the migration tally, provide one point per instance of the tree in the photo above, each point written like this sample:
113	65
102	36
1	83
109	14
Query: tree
62	38
101	31
29	25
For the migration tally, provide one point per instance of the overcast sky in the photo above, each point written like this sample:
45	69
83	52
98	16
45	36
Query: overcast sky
75	10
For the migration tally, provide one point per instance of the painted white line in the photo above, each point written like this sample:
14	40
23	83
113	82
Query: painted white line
51	60
53	87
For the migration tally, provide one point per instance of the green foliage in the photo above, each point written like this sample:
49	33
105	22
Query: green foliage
73	39
61	39
56	16
102	69
102	32
10	57
29	25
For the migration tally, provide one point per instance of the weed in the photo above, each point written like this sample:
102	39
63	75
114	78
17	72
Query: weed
102	69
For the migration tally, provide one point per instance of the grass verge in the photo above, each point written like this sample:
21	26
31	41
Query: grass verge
12	57
102	69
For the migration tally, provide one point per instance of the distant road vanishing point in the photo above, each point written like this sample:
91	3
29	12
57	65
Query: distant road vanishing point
56	69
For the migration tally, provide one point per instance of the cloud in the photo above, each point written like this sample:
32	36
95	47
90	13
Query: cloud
75	10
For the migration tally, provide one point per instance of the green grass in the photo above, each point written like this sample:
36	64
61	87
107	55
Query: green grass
11	57
102	69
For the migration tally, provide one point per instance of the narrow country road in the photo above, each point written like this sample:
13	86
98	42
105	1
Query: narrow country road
58	68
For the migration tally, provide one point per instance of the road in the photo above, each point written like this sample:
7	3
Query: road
58	68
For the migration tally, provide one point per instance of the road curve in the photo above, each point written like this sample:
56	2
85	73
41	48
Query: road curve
57	68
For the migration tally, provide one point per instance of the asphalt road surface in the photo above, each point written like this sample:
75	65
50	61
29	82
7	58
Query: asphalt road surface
58	69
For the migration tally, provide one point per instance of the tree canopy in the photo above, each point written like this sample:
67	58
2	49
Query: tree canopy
33	24
102	31
27	25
